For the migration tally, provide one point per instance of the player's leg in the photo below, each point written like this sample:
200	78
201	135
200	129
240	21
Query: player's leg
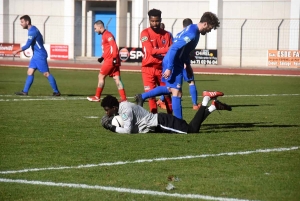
204	112
42	66
168	100
192	89
170	124
30	77
120	87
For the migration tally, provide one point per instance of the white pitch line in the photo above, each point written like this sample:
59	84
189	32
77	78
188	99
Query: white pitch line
46	98
151	160
122	190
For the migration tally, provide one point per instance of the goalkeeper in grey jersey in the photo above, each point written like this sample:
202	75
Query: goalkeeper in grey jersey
138	120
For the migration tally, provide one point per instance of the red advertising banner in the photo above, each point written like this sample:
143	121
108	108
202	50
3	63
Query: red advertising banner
6	49
59	52
284	58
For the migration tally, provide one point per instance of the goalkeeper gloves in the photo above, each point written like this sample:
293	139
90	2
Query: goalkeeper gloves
100	59
106	123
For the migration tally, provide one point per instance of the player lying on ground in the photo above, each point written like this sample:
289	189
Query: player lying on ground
138	120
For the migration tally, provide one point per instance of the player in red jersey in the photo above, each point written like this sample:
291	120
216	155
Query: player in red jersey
111	65
155	44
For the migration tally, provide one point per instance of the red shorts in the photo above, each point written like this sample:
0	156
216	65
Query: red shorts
151	78
110	70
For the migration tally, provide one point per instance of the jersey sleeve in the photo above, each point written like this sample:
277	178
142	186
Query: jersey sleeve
177	46
30	40
127	117
113	46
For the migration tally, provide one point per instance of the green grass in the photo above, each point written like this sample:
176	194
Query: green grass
42	132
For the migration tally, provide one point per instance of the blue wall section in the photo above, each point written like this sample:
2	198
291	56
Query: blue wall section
109	19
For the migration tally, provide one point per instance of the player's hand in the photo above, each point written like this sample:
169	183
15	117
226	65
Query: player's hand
106	123
100	59
114	61
14	53
166	74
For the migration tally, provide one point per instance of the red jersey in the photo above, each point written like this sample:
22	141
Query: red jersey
154	47
109	47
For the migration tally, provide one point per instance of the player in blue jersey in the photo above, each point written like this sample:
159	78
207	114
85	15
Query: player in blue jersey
39	58
179	55
190	80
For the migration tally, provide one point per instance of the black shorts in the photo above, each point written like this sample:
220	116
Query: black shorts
167	123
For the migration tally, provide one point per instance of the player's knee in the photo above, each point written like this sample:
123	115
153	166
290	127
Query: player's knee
46	74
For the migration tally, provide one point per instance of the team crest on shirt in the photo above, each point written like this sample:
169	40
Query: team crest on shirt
145	38
178	86
124	117
187	39
110	38
163	41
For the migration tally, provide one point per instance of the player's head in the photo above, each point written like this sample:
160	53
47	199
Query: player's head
99	27
209	21
186	22
25	21
110	104
154	19
162	26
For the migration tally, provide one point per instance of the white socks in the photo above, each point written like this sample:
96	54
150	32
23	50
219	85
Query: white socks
211	108
205	100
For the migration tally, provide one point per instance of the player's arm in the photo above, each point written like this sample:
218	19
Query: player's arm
178	46
113	46
31	37
127	128
148	47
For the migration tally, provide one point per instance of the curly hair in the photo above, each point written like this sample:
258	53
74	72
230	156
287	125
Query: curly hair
211	19
109	101
154	12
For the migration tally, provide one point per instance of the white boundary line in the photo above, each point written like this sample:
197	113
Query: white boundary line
151	160
47	98
123	190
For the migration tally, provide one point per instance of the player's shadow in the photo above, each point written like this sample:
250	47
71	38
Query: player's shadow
102	95
211	128
251	105
206	80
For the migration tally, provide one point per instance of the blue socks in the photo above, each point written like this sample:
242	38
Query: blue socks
159	90
53	83
29	81
177	108
194	95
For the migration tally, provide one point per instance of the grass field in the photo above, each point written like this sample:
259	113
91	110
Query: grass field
53	148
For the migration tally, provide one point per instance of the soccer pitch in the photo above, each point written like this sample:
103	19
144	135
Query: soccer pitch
54	148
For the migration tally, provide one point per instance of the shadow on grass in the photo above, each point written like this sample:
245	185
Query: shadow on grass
245	125
252	105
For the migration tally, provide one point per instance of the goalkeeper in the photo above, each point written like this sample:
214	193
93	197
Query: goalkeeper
138	120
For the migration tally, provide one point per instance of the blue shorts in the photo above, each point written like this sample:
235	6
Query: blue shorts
175	80
185	77
40	64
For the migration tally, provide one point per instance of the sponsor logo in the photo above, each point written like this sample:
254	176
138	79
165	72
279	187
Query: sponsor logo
124	117
30	37
187	39
123	54
146	88
110	38
144	38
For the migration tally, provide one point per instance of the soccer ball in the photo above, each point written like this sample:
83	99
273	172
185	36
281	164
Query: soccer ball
117	121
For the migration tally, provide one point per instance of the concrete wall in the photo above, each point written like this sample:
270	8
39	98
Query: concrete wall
71	22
